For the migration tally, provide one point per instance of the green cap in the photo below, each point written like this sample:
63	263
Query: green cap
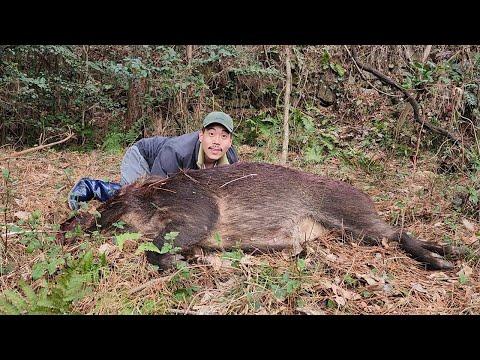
218	117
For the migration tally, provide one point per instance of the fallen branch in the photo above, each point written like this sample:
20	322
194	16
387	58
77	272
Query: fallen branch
27	151
410	99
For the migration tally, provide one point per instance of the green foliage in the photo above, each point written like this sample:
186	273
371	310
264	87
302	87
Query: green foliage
120	239
147	246
168	245
58	295
423	73
183	289
362	161
233	256
282	285
317	143
116	140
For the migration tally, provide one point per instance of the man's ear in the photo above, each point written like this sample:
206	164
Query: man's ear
200	136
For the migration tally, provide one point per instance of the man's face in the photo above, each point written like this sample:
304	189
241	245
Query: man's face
216	141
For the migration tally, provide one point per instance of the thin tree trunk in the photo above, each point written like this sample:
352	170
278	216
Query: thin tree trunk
426	52
136	93
288	86
189	54
86	48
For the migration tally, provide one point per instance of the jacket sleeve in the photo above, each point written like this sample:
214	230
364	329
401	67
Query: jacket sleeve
232	155
166	163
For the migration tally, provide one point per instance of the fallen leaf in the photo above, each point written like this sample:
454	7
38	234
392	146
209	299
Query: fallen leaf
331	257
310	311
22	215
466	271
438	276
214	261
340	300
387	288
107	249
418	287
470	240
468	225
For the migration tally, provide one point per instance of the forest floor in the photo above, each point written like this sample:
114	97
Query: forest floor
334	276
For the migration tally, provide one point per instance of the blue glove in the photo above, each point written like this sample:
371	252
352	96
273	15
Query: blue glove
87	189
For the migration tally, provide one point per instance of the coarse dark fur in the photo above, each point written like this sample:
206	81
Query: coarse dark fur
251	206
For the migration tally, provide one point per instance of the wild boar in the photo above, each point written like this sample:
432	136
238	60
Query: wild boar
251	206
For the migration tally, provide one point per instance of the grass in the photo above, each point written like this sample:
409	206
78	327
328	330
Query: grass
333	277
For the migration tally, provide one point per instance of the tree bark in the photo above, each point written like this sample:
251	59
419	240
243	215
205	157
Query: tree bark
189	54
426	52
288	87
136	94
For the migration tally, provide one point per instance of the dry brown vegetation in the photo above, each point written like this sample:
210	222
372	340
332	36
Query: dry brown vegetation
417	179
337	276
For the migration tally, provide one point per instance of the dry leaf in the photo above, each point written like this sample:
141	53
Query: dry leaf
340	300
107	249
247	260
438	276
22	215
214	261
418	287
466	271
309	311
331	257
468	225
470	240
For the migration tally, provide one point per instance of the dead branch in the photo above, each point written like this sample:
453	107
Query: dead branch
188	176
27	151
416	108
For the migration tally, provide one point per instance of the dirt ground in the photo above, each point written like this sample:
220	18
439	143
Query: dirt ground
335	276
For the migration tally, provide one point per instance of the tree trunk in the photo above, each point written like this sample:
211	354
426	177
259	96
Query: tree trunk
189	54
288	86
426	52
136	94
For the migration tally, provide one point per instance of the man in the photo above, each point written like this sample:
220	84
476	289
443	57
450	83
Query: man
165	156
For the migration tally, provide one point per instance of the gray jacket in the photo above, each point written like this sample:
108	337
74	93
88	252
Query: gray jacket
166	155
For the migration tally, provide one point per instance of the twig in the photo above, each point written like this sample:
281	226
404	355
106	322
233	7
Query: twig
181	312
27	151
159	280
237	179
410	99
185	173
159	188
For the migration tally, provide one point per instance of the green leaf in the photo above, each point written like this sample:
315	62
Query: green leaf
301	264
119	224
16	300
463	279
38	270
28	291
218	238
7	308
120	239
172	235
5	174
147	246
